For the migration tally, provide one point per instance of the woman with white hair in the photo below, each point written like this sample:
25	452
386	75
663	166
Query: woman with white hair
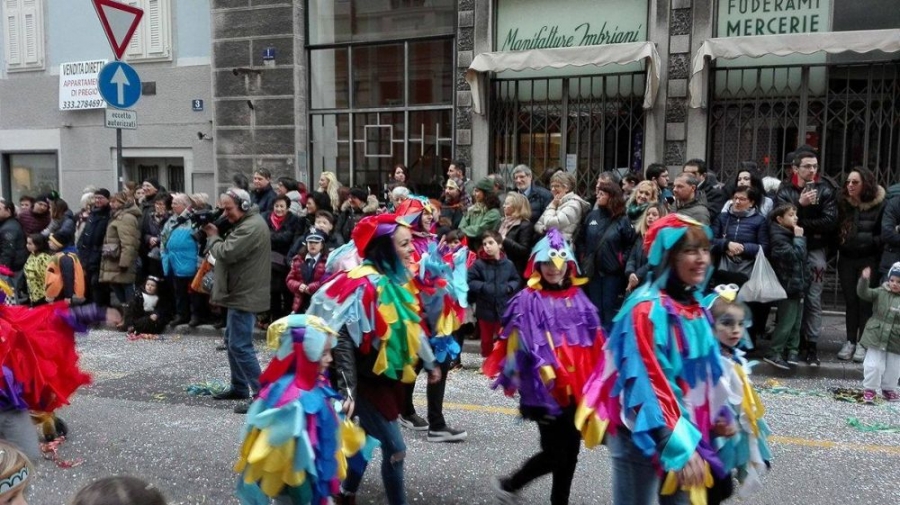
179	250
565	210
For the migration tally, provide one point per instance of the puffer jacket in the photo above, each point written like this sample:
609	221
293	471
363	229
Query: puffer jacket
890	232
491	284
788	259
242	264
283	238
13	253
90	242
751	230
637	260
567	217
518	243
819	220
612	238
124	231
882	332
860	226
180	250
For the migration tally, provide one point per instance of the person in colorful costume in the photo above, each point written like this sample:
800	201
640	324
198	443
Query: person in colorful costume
442	291
296	442
381	340
740	432
38	366
657	390
550	341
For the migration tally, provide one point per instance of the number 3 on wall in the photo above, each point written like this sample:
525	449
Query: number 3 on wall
197	105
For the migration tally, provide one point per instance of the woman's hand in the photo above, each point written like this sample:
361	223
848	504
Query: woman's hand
735	249
693	473
348	407
632	282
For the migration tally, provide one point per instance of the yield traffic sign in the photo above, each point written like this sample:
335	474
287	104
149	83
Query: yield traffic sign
119	22
119	84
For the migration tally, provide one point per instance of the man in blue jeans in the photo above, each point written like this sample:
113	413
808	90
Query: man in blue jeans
242	273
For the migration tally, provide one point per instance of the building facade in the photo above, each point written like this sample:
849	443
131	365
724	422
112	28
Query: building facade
52	119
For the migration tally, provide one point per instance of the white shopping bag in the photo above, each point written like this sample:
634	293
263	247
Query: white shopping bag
763	285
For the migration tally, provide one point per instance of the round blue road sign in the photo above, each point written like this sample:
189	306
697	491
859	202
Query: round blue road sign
119	85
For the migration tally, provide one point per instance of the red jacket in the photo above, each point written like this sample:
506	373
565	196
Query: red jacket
295	278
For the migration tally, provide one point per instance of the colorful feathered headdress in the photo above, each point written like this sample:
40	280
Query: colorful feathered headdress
410	210
374	226
665	233
552	248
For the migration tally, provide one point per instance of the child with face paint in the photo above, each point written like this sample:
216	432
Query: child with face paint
16	474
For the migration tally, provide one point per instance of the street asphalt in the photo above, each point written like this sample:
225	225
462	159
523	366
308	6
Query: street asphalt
138	419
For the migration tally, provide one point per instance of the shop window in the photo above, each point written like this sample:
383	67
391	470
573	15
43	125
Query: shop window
378	76
23	29
152	39
334	22
30	174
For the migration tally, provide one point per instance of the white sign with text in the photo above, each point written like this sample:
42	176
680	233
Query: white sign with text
119	118
78	85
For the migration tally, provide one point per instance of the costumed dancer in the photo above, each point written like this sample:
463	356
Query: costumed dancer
296	442
657	388
550	341
380	341
441	286
39	367
739	431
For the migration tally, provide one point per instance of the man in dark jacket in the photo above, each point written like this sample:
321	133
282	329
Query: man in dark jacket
817	214
90	248
263	194
355	209
537	196
708	187
242	279
890	231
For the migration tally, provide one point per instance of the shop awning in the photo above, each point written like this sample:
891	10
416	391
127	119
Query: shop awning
783	45
582	56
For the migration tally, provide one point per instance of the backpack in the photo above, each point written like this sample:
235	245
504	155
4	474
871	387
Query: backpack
62	266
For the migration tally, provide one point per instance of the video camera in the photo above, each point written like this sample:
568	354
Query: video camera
200	218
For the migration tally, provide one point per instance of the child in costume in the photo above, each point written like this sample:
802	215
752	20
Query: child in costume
16	474
36	267
740	432
657	390
295	443
881	337
492	281
64	278
380	341
550	341
146	314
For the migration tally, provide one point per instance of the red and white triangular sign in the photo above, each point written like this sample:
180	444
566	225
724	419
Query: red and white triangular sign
119	22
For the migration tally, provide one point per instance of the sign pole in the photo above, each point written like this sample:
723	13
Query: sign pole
120	162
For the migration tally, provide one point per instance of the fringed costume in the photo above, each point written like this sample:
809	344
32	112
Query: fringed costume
550	341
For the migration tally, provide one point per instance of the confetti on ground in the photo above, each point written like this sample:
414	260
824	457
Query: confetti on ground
207	388
50	450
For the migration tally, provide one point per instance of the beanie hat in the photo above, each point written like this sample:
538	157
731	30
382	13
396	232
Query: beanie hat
102	192
359	193
486	185
43	197
895	270
153	181
61	238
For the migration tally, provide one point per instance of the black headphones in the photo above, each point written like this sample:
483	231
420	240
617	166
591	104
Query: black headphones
243	204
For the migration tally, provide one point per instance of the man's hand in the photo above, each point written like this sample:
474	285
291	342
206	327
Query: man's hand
434	376
348	407
693	472
808	197
632	282
153	317
211	230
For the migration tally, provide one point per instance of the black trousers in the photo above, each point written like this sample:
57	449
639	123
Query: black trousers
560	445
435	395
858	311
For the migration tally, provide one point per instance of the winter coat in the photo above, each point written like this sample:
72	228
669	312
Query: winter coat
491	284
539	198
819	220
178	247
139	319
694	210
882	331
860	227
242	264
637	260
151	227
890	233
452	213
297	206
351	216
566	217
264	198
13	253
750	230
713	195
478	220
518	243
297	276
788	259
610	237
283	238
123	231
33	223
90	242
65	225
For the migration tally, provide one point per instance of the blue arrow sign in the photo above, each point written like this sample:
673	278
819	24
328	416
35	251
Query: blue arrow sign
119	84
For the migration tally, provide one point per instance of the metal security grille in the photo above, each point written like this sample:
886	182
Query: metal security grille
587	123
851	113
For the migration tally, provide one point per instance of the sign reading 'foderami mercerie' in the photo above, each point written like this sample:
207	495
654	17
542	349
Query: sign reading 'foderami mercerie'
743	18
538	24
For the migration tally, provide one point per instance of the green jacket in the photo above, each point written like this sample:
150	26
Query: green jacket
478	220
882	332
123	232
242	264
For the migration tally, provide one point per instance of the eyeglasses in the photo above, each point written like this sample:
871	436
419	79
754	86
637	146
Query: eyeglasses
853	182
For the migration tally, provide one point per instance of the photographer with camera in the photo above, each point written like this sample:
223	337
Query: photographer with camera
242	275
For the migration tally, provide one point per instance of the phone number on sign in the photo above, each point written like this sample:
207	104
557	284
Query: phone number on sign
81	104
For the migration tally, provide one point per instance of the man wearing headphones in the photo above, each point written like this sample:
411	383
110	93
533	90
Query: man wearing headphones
242	273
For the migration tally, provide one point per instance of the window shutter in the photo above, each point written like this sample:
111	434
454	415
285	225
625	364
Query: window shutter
136	46
31	50
12	27
156	45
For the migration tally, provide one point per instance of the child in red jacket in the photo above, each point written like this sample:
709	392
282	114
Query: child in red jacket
307	270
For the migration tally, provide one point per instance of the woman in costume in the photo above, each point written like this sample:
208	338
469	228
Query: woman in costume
551	340
296	444
380	341
657	389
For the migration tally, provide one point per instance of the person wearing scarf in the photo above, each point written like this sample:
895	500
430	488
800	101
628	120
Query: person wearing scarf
284	226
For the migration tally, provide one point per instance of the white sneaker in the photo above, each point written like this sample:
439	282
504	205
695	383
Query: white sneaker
859	354
846	351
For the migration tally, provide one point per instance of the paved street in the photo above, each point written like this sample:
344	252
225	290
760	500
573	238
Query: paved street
138	419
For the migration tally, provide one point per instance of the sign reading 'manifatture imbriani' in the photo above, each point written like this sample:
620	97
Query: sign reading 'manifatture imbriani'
743	18
538	24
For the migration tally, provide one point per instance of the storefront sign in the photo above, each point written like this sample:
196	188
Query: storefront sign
538	24
742	18
78	85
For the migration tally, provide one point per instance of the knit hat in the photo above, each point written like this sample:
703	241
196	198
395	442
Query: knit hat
359	193
61	238
153	181
486	185
102	192
895	270
43	197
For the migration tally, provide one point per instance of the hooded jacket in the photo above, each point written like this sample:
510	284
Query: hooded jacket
859	226
242	264
788	259
566	217
124	231
882	332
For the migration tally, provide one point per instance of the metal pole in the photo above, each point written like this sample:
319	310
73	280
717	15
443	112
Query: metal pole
120	164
